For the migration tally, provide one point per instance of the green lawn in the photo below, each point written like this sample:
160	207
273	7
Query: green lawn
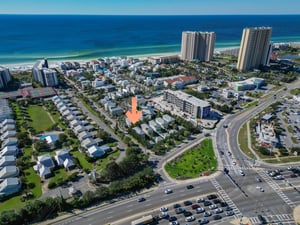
33	177
15	202
101	163
40	119
193	162
59	174
295	91
81	158
12	203
284	160
243	141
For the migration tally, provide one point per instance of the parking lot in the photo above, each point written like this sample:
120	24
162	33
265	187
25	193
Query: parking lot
201	210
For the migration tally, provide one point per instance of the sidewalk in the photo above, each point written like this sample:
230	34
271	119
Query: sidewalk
296	214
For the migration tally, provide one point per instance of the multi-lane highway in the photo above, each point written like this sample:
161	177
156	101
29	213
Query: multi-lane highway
276	203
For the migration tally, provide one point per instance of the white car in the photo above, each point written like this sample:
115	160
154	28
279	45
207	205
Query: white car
189	219
213	207
168	191
163	209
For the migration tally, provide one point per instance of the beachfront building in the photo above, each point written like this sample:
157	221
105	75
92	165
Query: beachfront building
5	77
255	48
196	107
42	74
197	45
249	84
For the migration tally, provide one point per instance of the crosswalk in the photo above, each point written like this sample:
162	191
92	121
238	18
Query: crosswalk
275	219
276	188
225	197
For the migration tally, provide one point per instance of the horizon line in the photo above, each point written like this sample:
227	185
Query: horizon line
83	14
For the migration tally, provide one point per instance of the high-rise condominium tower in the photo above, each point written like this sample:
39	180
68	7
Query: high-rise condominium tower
197	45
255	48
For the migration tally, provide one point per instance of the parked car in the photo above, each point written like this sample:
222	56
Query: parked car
258	179
174	223
172	218
207	203
203	221
176	205
187	202
179	210
216	201
213	207
163	209
217	217
207	214
199	200
209	197
187	213
218	210
195	206
189	219
200	210
229	213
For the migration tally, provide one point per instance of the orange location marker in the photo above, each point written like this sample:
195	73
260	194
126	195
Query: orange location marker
134	115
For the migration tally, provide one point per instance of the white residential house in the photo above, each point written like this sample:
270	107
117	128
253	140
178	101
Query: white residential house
146	129
8	171
44	166
154	126
162	123
9	150
157	139
168	119
84	135
74	123
63	158
78	129
95	151
86	143
9	186
8	134
139	131
71	117
6	122
9	141
8	160
98	151
8	127
98	83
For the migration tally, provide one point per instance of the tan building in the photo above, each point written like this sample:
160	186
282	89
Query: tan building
197	45
255	48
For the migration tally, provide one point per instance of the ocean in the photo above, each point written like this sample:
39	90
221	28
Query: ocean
26	38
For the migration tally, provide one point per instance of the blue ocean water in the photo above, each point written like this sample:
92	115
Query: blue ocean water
26	38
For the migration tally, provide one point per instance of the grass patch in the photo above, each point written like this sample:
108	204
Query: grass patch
101	163
290	129
59	174
193	162
276	88
294	140
250	104
284	160
243	141
11	204
295	91
32	177
81	158
40	118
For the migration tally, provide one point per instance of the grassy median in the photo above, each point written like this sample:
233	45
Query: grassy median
193	162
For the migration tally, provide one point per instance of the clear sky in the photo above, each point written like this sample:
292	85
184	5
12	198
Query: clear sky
150	7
